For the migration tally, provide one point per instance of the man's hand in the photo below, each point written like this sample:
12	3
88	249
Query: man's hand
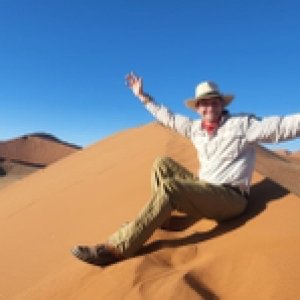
135	83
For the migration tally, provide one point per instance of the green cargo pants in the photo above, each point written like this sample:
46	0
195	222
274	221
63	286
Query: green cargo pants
175	188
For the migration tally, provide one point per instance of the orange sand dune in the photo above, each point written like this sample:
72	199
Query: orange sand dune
297	154
38	149
86	196
285	171
293	157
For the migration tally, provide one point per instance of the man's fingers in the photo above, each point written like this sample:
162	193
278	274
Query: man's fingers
132	75
129	79
133	80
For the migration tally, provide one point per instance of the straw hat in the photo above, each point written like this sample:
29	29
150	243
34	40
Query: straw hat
207	90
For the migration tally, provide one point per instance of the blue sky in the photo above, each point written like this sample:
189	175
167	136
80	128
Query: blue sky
63	62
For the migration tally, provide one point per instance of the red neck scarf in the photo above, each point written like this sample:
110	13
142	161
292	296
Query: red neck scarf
210	127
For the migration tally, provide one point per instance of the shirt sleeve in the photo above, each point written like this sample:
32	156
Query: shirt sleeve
177	122
273	129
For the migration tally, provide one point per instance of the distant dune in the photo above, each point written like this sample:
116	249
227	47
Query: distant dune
290	156
86	196
40	149
285	172
21	156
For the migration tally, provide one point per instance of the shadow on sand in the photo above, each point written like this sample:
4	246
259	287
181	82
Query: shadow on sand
261	194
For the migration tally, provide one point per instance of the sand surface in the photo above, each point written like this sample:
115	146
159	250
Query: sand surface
86	196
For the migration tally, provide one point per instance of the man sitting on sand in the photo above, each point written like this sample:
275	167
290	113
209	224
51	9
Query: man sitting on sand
225	144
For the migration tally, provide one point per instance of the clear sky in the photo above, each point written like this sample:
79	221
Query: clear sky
63	62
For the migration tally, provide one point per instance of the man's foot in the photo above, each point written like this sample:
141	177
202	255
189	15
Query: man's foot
100	255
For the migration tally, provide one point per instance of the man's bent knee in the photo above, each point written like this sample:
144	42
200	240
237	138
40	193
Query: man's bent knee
160	162
172	189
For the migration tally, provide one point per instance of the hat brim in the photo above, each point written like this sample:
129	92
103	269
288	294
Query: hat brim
192	103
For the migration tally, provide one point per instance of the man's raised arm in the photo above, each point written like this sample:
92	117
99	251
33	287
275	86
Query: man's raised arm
177	122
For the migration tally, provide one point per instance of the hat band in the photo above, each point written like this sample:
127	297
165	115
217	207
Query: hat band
209	94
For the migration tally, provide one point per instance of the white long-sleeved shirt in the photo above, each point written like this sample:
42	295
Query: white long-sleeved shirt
228	156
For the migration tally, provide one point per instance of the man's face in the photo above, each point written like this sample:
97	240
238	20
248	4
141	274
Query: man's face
210	110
